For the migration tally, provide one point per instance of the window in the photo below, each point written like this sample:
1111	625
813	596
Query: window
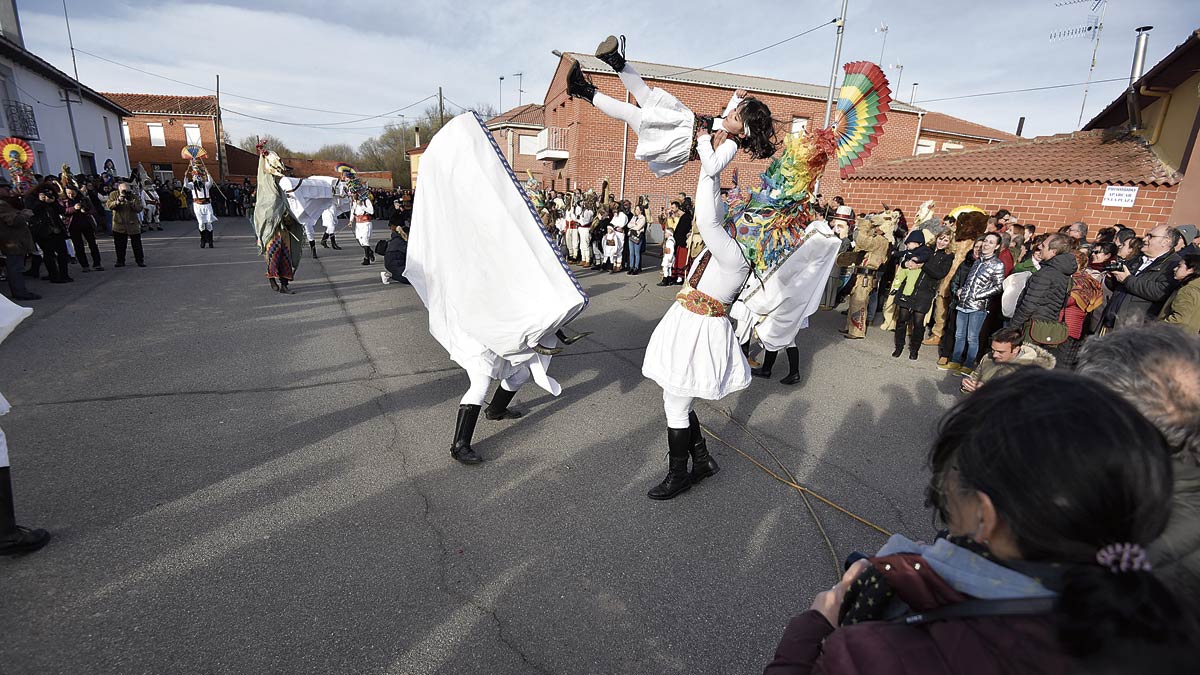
125	132
529	145
107	133
192	132
157	139
799	124
952	146
163	173
87	162
926	146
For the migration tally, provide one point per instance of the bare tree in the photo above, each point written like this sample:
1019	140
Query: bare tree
250	144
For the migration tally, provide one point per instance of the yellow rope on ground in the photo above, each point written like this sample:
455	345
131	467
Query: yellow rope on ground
792	483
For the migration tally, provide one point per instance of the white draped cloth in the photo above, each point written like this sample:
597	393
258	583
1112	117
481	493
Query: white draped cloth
779	305
11	314
495	286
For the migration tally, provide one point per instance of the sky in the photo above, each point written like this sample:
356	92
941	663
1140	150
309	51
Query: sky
358	65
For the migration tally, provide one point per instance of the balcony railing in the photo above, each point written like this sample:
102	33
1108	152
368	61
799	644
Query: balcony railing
552	143
21	121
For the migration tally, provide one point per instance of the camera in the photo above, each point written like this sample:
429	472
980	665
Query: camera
1114	266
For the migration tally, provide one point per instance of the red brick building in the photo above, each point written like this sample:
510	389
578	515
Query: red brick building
303	168
516	132
1049	181
941	132
160	127
580	146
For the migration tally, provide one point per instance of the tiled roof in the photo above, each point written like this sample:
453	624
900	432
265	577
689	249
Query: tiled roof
946	124
1102	156
532	114
165	104
716	78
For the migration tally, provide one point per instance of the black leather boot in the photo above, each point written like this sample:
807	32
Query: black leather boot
283	287
325	240
498	408
274	285
765	369
464	429
703	464
609	52
366	255
578	85
14	539
333	242
679	443
313	246
203	238
793	376
210	238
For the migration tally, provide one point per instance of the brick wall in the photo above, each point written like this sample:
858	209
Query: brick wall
303	168
595	145
140	149
1049	205
509	140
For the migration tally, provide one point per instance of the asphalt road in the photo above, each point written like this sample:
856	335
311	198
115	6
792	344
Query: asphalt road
244	482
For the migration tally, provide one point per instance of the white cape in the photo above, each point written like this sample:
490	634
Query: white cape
494	284
308	197
11	314
777	307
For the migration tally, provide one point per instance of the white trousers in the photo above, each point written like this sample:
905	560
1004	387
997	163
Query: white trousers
626	112
572	237
585	245
329	220
204	216
677	409
362	232
151	214
480	383
3	450
310	230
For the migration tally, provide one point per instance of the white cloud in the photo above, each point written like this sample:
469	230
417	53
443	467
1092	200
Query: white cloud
372	56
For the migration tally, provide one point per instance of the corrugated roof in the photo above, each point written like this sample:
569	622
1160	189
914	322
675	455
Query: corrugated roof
165	104
1101	156
947	124
532	114
716	78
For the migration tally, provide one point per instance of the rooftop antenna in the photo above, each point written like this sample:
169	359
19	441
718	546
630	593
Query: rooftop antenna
899	67
1089	30
520	82
883	28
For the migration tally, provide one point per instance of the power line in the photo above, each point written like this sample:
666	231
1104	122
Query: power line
756	51
1018	91
234	95
327	125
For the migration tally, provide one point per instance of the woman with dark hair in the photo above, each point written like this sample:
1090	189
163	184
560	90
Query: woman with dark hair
1183	307
1043	568
666	127
1129	252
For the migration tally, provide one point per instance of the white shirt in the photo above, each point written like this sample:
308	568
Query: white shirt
620	220
587	217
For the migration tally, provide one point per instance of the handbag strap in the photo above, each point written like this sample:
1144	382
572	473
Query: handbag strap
978	608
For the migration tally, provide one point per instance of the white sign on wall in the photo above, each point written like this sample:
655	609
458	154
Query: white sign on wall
1119	195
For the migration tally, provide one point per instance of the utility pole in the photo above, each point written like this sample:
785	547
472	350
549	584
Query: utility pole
220	140
67	95
837	58
501	95
441	111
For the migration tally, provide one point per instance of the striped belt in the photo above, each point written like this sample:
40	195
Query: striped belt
701	303
201	202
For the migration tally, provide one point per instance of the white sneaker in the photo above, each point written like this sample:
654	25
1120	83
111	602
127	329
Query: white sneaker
386	277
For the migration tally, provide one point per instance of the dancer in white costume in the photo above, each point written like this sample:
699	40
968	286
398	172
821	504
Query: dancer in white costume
774	309
329	219
497	290
361	212
200	184
693	352
665	127
14	539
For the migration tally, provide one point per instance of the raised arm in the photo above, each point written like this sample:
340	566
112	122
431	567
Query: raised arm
734	102
713	162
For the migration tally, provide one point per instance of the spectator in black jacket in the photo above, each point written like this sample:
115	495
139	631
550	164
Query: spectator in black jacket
1046	292
50	233
1139	293
396	258
911	308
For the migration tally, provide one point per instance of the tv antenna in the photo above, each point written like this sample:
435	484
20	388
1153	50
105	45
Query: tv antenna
1089	30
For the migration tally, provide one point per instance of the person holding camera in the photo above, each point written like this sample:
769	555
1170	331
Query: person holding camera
1045	566
1139	292
50	233
125	205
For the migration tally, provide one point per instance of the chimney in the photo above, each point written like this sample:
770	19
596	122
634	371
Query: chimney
1133	102
1139	53
417	131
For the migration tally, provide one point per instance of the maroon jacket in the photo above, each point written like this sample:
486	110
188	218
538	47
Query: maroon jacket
980	646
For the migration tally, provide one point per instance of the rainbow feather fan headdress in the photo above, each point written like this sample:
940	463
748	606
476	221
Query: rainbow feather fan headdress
769	221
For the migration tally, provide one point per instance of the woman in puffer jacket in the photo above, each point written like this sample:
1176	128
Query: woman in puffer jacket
983	281
1043	569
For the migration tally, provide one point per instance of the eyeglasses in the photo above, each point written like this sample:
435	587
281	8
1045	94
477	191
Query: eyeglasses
1154	236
